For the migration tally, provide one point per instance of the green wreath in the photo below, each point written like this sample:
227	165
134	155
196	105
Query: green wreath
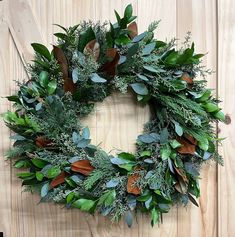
88	63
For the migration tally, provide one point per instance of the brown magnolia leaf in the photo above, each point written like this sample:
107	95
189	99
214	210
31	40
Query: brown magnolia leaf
131	186
192	199
92	48
181	173
191	139
111	66
61	59
133	30
187	78
43	142
181	186
82	166
187	147
59	179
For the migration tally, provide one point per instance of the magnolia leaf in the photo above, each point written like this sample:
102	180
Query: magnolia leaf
84	204
51	87
154	216
191	198
165	152
85	37
164	136
131	184
39	163
42	50
43	78
92	48
139	88
39	176
53	172
133	30
82	166
58	180
128	11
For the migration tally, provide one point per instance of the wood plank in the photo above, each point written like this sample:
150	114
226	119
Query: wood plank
226	92
24	28
5	169
199	17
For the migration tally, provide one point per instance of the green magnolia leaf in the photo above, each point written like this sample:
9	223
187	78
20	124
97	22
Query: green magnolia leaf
219	115
84	204
39	176
51	87
42	50
126	156
117	16
122	40
26	176
203	143
145	153
85	37
128	11
175	144
154	216
97	79
107	198
164	136
44	78
70	197
205	96
139	88
211	107
165	152
39	163
53	172
45	189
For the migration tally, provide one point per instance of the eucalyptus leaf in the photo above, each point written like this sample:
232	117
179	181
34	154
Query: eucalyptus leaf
97	79
139	88
45	189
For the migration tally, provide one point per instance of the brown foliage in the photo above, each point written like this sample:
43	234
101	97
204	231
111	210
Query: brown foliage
133	30
61	59
59	179
82	166
131	187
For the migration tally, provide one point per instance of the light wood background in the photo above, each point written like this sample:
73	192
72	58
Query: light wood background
119	119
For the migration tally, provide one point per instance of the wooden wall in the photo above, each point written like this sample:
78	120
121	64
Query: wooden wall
212	23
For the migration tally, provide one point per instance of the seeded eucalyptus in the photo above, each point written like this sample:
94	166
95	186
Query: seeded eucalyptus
88	63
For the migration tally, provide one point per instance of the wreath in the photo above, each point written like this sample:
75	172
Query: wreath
90	61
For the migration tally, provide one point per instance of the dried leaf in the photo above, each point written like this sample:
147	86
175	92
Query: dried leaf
43	142
181	173
187	78
58	180
191	139
82	166
110	66
131	187
192	199
187	147
133	30
93	48
61	59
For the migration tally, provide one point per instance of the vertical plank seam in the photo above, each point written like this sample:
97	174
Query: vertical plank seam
217	95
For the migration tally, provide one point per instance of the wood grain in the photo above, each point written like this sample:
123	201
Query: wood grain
226	91
199	17
117	122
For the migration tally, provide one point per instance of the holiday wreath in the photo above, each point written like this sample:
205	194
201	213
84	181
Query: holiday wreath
87	64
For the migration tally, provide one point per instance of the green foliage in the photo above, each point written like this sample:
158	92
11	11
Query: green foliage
51	143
